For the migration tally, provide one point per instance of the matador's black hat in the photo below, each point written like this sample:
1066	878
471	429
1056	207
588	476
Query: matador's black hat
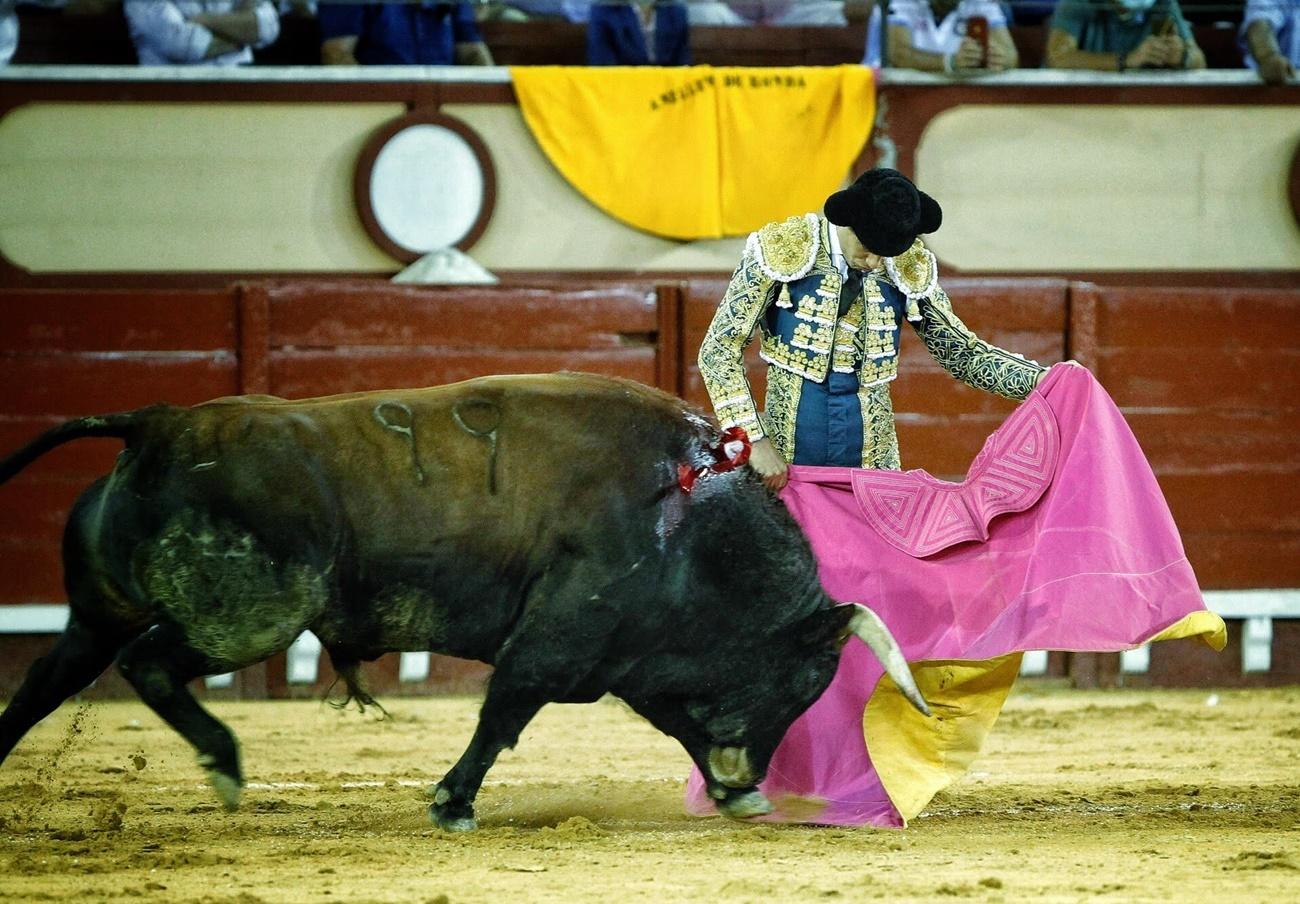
885	211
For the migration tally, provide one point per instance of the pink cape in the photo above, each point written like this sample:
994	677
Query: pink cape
1058	539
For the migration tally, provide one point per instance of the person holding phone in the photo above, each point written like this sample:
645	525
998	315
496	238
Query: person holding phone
949	36
1119	35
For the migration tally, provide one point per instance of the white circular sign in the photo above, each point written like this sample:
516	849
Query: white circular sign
426	188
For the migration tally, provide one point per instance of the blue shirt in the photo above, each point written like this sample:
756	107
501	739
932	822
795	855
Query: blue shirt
401	34
1099	26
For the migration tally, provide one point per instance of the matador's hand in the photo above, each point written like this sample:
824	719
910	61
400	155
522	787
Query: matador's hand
769	464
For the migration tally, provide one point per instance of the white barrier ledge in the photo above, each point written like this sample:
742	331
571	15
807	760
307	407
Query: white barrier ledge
488	75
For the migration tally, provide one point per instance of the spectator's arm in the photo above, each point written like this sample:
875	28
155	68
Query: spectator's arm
160	25
1063	53
1195	58
341	27
253	23
470	49
900	52
856	12
473	54
1261	42
339	51
1002	50
1184	54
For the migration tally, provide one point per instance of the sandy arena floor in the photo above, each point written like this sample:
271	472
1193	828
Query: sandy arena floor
1118	796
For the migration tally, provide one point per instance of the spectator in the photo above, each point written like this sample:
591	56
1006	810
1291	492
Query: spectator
8	30
932	35
1270	37
617	35
9	19
794	13
423	33
215	32
530	10
1115	35
768	12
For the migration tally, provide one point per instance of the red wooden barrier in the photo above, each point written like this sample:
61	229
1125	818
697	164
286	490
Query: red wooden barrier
1208	380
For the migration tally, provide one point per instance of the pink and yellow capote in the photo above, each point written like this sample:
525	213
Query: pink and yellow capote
1059	538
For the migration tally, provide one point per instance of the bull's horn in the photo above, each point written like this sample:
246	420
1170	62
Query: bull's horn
867	625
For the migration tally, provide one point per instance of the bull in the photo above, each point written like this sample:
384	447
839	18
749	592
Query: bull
535	523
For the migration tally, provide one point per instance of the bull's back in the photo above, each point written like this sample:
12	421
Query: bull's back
499	461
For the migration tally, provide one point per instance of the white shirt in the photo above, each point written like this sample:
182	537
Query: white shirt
9	24
163	34
942	37
8	31
1284	16
837	253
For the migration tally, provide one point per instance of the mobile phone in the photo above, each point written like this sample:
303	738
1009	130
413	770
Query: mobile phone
977	29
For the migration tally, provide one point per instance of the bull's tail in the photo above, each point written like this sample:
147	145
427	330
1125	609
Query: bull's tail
122	426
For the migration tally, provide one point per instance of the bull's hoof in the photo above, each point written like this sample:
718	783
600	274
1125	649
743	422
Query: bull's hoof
449	822
449	816
228	789
745	806
730	766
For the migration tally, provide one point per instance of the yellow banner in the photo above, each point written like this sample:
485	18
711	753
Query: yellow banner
699	152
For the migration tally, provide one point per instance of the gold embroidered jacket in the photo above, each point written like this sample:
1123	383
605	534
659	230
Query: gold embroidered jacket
788	265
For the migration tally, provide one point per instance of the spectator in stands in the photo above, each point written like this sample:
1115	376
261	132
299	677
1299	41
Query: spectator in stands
424	33
529	10
9	19
1115	35
794	13
214	32
772	12
618	34
933	35
1270	37
8	30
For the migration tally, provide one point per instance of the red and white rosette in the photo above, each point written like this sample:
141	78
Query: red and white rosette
731	452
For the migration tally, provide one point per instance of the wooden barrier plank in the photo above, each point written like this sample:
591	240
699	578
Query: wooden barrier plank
943	446
1217	441
1227	560
89	383
1224	320
303	374
32	569
1189	663
36	509
1240	503
462	317
60	321
1235	379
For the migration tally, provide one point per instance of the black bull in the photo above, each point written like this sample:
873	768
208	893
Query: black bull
534	523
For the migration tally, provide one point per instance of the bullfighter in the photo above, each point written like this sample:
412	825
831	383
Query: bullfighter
828	295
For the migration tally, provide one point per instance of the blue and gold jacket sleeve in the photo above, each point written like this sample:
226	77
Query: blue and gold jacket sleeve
776	254
963	354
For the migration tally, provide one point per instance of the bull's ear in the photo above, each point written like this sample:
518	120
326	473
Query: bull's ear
829	625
